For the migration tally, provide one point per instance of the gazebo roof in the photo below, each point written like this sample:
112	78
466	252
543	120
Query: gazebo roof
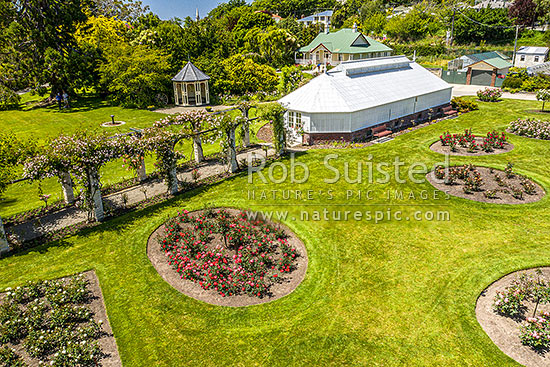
190	73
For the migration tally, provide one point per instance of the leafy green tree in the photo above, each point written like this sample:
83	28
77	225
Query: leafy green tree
375	23
345	10
252	19
225	7
543	8
41	38
134	75
240	75
544	96
125	10
275	46
297	8
415	25
490	25
310	32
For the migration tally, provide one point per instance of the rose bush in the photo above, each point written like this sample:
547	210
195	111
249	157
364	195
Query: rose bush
489	94
228	254
531	128
51	321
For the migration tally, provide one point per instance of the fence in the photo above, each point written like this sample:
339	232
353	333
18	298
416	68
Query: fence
453	76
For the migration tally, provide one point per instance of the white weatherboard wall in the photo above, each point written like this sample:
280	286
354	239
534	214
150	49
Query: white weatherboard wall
350	122
359	94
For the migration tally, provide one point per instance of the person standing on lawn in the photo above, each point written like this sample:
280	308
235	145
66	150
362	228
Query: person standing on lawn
66	100
58	99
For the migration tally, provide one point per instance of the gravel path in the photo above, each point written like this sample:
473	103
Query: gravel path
70	216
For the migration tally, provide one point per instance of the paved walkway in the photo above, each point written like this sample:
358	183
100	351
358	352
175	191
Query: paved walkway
471	90
72	215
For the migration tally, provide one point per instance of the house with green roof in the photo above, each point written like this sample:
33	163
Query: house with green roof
482	68
331	48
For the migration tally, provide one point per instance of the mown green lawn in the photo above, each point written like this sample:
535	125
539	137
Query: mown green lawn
396	293
87	114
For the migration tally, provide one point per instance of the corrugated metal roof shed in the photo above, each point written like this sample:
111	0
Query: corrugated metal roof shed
359	85
493	58
530	50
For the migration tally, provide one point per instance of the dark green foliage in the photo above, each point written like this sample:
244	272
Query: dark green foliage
135	75
495	26
463	105
297	8
417	24
520	80
239	75
39	37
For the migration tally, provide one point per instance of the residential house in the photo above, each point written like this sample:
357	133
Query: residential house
363	98
528	56
346	44
323	17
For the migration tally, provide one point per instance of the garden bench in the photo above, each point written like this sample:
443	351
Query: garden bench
448	111
380	131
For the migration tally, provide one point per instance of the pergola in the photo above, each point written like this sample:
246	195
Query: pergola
191	87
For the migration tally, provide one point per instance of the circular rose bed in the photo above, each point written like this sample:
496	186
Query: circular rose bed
514	311
468	144
485	184
530	128
222	257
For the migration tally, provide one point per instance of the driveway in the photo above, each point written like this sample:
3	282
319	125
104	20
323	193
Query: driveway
471	90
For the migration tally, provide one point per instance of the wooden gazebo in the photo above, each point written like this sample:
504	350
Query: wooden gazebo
191	87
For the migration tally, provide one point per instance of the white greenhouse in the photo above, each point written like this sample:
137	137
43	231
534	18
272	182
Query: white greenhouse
365	98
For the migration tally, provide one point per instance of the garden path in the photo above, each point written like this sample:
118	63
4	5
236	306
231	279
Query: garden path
70	216
460	90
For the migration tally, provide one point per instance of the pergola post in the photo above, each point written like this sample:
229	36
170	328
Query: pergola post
173	186
67	186
4	246
232	165
197	148
141	173
246	128
97	202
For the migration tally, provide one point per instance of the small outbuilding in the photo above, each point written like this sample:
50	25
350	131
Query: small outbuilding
365	98
191	87
530	56
486	68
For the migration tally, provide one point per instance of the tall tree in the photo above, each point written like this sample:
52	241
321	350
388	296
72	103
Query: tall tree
41	37
134	75
490	25
126	10
524	12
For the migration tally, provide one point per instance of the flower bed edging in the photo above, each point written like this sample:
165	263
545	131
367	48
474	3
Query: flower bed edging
505	331
487	185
